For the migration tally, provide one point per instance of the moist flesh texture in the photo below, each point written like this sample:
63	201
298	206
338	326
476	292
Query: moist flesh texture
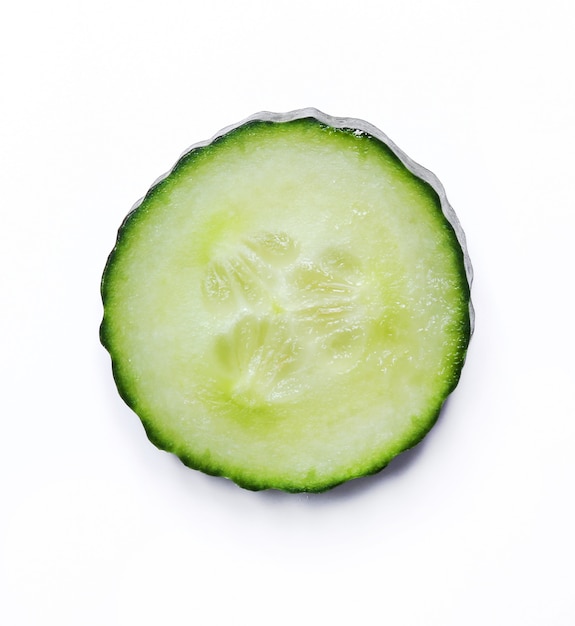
288	308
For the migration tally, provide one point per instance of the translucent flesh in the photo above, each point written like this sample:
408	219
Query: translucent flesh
288	308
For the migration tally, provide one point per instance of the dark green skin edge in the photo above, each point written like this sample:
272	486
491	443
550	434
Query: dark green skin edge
246	482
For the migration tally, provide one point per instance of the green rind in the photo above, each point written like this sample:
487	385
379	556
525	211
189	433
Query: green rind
241	478
253	484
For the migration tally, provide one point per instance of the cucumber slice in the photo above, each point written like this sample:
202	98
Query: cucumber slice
289	307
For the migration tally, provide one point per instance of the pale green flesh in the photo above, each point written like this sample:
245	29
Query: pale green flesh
288	308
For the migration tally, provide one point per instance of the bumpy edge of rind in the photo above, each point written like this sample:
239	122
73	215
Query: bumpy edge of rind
349	123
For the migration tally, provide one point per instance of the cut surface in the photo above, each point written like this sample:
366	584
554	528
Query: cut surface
288	308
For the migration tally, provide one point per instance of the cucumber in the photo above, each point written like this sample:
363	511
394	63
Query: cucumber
289	307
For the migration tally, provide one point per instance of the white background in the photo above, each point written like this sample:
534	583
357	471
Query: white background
474	526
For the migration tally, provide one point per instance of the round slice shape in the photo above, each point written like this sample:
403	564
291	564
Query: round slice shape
289	307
